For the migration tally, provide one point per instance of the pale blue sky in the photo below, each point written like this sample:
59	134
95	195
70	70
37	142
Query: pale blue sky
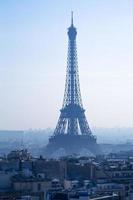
33	51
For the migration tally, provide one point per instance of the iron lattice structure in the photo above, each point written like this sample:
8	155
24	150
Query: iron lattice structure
72	120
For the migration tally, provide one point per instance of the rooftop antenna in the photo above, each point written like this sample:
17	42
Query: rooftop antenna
22	147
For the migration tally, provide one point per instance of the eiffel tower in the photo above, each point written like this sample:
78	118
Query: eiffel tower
72	133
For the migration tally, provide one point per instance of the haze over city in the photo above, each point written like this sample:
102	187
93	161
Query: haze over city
33	58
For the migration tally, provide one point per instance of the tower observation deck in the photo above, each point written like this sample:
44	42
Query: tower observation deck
72	134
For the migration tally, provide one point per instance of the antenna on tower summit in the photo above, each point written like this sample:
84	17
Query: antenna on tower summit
72	18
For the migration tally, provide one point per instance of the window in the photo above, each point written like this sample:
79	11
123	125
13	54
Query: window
39	186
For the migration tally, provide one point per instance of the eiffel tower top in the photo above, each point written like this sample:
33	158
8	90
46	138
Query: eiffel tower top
72	18
72	30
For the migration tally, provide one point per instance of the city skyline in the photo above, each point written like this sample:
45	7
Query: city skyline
33	59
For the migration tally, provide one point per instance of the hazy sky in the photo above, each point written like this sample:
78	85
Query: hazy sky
33	51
